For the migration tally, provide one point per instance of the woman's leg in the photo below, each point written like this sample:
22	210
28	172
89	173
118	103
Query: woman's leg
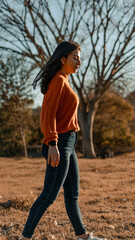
71	192
54	179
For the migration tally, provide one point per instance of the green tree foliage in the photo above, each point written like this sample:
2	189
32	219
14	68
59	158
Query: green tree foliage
111	127
131	99
15	102
35	136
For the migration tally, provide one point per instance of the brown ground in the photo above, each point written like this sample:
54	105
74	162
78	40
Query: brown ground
107	198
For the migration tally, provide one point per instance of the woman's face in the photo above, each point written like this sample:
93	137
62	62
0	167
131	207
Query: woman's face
71	63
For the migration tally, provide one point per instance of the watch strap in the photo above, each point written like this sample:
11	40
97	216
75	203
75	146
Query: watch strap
52	143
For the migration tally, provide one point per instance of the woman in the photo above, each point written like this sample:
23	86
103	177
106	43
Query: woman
59	126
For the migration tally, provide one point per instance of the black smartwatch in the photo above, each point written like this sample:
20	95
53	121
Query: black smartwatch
52	143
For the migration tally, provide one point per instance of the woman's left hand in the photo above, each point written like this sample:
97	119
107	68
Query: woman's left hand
53	156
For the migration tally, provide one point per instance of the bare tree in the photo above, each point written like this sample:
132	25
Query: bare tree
105	28
111	29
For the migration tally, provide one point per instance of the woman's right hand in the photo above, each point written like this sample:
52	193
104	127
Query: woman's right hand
53	156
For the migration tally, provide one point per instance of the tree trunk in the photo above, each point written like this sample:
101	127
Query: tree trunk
86	121
24	142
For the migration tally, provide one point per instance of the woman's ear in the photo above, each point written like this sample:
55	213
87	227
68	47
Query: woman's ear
63	60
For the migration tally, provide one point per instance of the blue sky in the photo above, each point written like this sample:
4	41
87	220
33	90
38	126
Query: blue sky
85	50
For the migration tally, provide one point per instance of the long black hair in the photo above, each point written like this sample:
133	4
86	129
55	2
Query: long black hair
54	64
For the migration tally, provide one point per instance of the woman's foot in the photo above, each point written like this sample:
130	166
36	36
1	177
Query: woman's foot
89	237
24	238
84	236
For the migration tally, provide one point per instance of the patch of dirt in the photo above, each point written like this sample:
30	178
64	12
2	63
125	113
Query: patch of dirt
107	199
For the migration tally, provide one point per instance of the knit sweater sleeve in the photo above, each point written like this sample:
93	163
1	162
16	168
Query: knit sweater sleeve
49	109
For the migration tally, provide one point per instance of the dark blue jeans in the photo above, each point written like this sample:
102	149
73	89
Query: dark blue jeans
66	175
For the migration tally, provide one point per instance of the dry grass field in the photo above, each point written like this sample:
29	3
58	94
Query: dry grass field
107	198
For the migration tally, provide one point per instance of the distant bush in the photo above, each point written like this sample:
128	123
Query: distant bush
111	126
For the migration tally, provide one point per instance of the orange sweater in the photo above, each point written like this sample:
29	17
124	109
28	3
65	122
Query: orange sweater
59	109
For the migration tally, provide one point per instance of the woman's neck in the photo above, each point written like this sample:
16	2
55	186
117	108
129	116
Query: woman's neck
64	73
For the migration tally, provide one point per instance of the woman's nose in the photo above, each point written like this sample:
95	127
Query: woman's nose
79	62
